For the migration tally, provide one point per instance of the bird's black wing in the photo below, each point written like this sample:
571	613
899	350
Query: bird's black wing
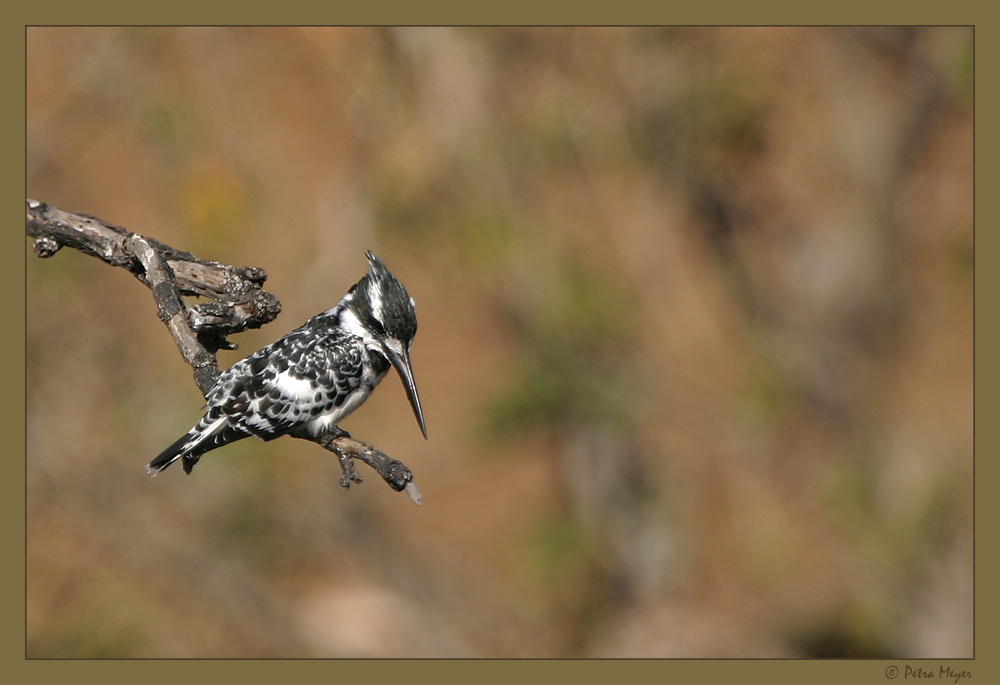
288	383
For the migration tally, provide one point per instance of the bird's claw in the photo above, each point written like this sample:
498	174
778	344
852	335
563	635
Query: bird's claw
350	474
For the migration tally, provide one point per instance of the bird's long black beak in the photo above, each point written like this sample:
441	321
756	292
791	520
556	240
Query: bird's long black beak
400	359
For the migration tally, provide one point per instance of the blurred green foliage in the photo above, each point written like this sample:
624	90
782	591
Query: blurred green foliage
575	364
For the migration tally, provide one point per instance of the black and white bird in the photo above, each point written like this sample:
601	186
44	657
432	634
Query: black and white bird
305	383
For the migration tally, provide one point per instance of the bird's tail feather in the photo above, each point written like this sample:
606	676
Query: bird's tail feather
188	447
170	455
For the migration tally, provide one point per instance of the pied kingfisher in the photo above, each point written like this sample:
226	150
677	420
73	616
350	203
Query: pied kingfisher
305	383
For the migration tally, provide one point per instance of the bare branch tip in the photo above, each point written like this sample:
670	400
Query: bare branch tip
414	494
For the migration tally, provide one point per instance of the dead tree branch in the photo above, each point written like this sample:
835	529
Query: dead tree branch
393	472
235	302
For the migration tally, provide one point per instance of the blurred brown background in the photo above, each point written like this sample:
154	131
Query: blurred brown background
695	342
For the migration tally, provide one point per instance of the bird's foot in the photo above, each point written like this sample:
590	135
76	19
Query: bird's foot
350	474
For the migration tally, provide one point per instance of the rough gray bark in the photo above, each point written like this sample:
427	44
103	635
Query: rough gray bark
235	301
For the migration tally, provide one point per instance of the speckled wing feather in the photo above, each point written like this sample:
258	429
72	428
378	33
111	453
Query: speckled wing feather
304	378
288	384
